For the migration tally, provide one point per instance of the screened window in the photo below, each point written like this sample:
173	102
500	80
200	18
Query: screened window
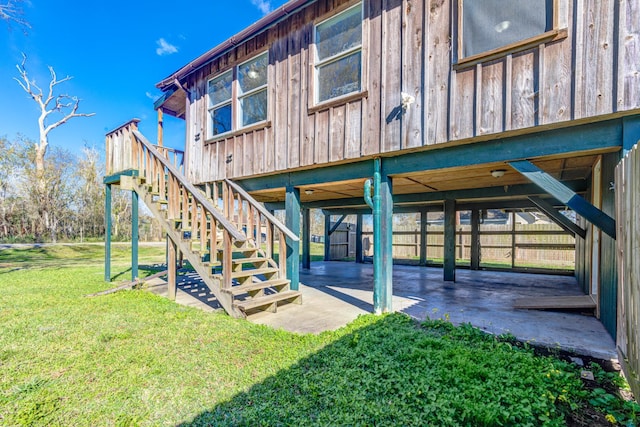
338	66
491	24
252	90
231	110
220	104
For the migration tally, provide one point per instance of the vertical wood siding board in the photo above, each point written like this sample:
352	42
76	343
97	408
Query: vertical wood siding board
353	130
538	73
493	82
604	44
293	120
336	133
615	55
477	100
322	137
392	74
523	91
248	154
438	75
281	131
462	104
507	92
270	136
371	108
630	52
576	60
306	148
412	70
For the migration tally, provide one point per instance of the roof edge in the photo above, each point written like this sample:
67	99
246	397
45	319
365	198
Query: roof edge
254	29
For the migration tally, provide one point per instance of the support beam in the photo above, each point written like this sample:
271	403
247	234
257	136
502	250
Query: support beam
566	196
359	254
630	133
565	223
306	239
449	240
475	239
292	221
386	242
423	237
172	262
134	235
327	238
107	233
337	224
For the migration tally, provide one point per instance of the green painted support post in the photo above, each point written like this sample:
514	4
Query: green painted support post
327	238
107	233
386	241
423	237
134	235
475	239
359	254
449	240
306	239
292	221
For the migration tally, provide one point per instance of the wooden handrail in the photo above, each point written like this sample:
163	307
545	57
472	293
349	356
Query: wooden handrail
195	193
280	226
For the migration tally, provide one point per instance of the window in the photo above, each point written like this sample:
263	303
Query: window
338	65
488	25
228	112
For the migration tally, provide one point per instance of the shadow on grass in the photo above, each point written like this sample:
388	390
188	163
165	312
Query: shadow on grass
143	271
386	371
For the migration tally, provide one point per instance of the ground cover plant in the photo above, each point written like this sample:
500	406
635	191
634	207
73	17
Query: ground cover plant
133	358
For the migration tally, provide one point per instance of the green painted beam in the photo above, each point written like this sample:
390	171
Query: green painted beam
630	132
336	224
359	253
449	240
134	235
292	217
107	233
306	239
115	178
561	220
603	135
566	196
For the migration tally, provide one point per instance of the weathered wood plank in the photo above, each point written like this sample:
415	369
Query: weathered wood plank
462	103
281	129
390	84
306	121
336	133
371	105
628	96
294	90
321	154
438	59
412	71
523	91
491	105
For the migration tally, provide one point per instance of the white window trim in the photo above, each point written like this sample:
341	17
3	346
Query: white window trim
240	97
211	108
319	63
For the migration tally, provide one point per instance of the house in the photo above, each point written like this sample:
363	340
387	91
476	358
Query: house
412	105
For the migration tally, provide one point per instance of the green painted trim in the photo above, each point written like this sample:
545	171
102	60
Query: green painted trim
566	196
115	178
630	132
292	222
107	233
134	235
449	240
574	139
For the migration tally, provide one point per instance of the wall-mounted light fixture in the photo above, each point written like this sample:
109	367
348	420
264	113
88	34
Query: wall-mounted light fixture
498	173
308	192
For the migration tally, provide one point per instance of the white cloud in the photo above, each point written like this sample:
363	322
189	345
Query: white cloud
152	97
263	5
165	48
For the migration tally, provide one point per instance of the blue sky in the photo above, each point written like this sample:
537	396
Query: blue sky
116	52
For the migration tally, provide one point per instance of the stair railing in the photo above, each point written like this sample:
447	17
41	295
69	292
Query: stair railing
253	218
187	204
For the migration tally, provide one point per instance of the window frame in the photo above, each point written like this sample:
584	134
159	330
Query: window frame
235	101
315	103
558	32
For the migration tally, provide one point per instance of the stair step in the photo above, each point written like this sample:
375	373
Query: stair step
243	289
272	300
251	260
253	272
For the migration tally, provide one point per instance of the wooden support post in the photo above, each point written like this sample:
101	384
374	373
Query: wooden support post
327	238
386	242
423	237
107	234
134	235
359	254
172	261
513	239
306	239
449	240
160	127
475	239
292	219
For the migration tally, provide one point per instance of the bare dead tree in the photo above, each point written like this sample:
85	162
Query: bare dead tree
11	11
49	103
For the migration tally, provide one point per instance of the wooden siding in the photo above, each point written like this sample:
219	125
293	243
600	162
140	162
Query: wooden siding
407	47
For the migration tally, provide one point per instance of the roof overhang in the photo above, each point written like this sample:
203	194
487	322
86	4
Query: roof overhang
258	27
173	101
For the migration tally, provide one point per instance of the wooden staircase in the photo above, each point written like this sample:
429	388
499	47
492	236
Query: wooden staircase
226	236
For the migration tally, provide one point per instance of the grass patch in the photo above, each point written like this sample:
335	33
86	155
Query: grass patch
132	358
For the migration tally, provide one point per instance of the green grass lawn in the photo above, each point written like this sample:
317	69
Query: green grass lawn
133	358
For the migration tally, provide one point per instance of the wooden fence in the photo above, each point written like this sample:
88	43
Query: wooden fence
627	187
